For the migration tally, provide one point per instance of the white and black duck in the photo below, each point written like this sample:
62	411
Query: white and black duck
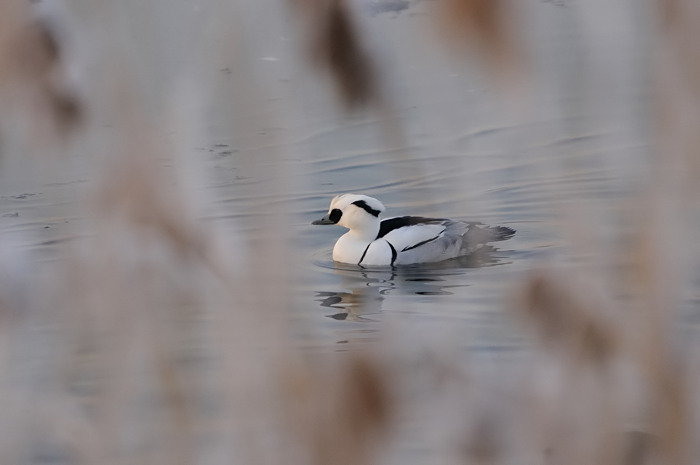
402	240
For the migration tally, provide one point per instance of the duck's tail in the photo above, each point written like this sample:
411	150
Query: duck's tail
500	233
479	234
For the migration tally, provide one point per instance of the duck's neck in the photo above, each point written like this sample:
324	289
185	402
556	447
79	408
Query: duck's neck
367	233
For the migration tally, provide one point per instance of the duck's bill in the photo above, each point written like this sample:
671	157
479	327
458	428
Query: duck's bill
324	220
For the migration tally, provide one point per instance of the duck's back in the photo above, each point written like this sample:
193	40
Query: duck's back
426	240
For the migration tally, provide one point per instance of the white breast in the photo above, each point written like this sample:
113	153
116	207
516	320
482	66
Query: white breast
348	249
378	253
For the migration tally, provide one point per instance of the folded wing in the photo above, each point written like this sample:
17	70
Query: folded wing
419	239
422	240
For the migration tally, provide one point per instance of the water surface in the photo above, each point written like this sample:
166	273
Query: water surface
448	146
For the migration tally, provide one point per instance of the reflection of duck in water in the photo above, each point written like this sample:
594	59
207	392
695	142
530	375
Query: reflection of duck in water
363	295
401	240
351	306
366	289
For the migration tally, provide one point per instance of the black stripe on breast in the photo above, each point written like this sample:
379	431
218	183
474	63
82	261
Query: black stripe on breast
390	224
393	253
363	255
422	242
363	205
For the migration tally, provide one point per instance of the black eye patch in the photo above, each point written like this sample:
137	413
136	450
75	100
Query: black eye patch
363	205
335	215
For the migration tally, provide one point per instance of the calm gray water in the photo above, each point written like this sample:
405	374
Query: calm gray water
272	140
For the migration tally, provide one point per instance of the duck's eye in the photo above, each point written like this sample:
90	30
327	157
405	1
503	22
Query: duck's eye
335	215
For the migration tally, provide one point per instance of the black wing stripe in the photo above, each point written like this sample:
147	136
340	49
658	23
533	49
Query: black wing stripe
390	224
423	242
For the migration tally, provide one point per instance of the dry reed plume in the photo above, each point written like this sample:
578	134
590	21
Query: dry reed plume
335	46
31	80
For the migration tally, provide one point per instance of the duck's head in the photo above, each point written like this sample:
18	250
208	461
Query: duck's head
354	211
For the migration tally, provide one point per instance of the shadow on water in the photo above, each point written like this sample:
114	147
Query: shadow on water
365	288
